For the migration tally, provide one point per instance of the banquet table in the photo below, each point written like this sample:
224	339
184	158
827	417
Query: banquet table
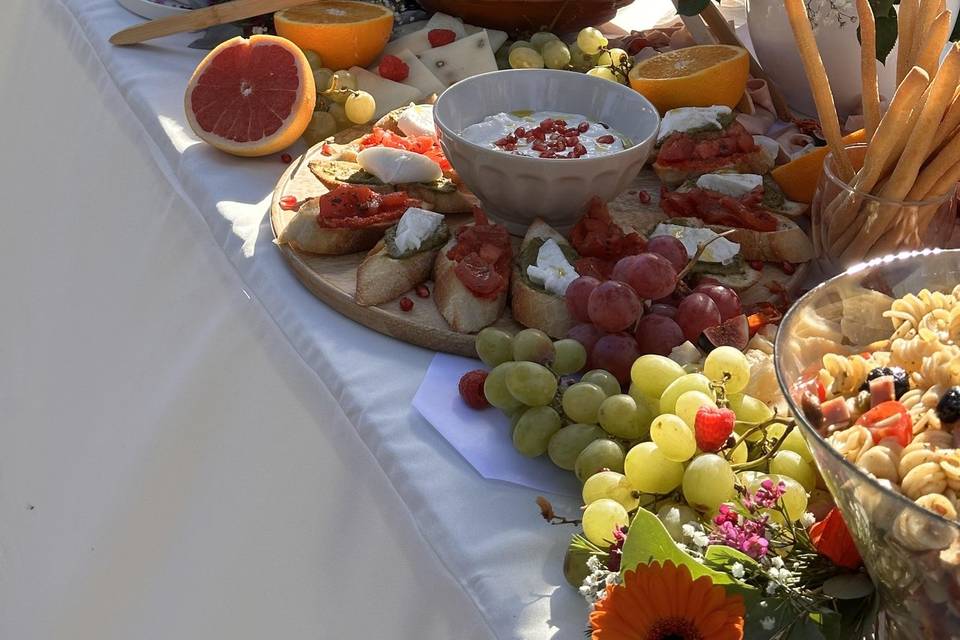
191	444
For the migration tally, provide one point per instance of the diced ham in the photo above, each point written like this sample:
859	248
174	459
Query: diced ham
835	411
882	390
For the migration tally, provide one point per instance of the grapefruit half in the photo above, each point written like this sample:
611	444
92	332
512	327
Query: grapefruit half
251	97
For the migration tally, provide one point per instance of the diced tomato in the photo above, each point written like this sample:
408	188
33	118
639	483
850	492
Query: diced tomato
889	419
712	207
597	236
353	207
479	275
714	147
676	149
424	145
483	254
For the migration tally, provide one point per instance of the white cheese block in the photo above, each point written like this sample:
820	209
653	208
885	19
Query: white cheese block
686	118
731	184
443	21
414	227
460	59
496	38
769	146
388	94
398	166
720	250
417	120
420	76
417	42
552	270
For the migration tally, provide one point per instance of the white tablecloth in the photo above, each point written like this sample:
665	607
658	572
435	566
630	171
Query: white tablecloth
191	445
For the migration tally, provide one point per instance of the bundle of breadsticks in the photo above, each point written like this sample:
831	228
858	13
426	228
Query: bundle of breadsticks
912	158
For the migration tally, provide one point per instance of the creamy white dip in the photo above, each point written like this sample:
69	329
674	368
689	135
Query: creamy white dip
596	139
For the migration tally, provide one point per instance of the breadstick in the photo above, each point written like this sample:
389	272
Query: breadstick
925	17
946	182
819	84
906	20
944	159
868	68
933	42
951	119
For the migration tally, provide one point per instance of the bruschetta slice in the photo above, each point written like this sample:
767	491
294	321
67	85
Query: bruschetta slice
403	258
541	273
472	275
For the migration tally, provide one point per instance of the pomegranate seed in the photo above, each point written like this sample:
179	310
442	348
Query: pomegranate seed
287	203
286	158
538	134
549	153
608	139
583	127
422	291
326	149
559	145
510	146
756	264
406	304
644	196
789	268
504	141
560	123
520	132
572	141
539	146
546	125
580	149
571	131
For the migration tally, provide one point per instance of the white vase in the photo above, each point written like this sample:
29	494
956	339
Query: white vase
777	53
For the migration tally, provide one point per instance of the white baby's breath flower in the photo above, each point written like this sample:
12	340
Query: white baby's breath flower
777	562
807	520
763	604
767	623
736	570
593	563
688	530
771	588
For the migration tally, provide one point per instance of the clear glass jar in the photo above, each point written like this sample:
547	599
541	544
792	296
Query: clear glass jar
849	226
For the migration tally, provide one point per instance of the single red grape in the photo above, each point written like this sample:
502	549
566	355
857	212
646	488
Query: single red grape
613	306
650	275
658	334
696	313
671	249
615	353
578	296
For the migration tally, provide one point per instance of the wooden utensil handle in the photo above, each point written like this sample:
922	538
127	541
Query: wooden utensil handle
201	19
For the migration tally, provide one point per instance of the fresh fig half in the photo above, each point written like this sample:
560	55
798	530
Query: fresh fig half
735	332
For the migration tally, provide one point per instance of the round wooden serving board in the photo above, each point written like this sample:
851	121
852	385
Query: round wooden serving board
333	279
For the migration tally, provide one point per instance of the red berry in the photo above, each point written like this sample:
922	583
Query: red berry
712	428
440	37
422	291
547	125
471	389
393	68
607	139
644	197
520	132
406	304
756	264
789	268
288	203
286	158
583	127
326	149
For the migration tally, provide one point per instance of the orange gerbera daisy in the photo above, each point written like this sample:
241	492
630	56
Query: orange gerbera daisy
664	602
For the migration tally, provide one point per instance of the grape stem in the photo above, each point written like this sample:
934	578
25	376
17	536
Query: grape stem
789	423
701	247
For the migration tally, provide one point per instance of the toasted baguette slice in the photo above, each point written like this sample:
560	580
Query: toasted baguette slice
676	174
534	307
789	243
381	278
741	281
304	234
463	311
442	197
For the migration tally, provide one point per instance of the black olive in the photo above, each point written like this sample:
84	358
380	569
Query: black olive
901	383
948	409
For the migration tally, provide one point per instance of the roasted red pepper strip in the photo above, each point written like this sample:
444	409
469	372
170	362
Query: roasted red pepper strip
889	419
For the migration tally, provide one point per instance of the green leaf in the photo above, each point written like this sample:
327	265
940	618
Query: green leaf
691	7
848	586
886	33
648	540
723	558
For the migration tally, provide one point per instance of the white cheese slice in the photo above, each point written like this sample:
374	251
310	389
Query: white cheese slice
388	94
417	42
731	184
460	59
414	227
769	146
443	21
417	120
497	38
398	166
552	270
720	250
687	118
420	76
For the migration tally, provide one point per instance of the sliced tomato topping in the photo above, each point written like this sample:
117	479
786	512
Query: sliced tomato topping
424	145
710	145
889	419
596	235
712	207
353	207
478	275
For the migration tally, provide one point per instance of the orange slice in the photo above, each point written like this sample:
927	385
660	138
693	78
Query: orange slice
345	34
251	97
798	178
698	76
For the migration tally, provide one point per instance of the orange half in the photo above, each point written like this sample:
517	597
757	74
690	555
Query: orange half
700	76
344	33
798	178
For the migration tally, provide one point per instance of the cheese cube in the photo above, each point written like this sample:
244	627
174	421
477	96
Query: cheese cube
416	42
460	59
388	94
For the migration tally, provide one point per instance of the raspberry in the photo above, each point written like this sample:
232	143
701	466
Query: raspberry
440	37
423	291
471	389
406	304
393	68
713	427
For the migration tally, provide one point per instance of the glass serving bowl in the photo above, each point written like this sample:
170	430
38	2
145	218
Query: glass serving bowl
913	555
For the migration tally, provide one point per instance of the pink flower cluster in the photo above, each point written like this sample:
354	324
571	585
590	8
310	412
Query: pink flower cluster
747	531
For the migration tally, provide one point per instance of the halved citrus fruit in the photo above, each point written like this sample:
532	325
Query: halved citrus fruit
798	178
344	33
251	97
698	76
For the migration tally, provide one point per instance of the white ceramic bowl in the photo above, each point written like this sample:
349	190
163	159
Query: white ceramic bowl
516	189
